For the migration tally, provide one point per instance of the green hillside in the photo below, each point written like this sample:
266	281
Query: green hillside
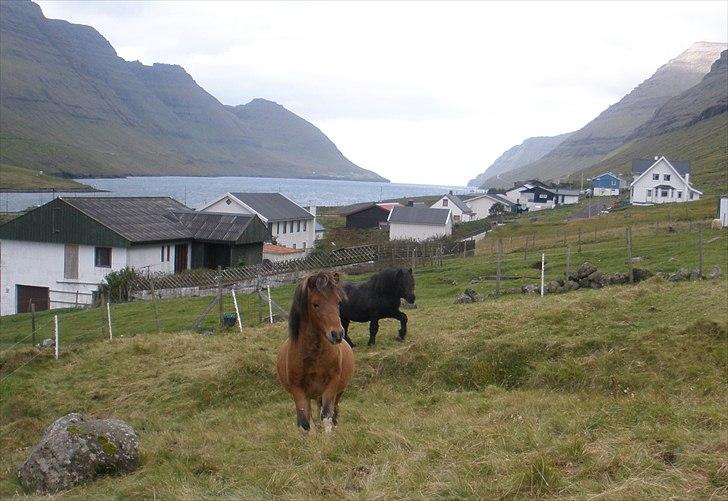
18	178
69	105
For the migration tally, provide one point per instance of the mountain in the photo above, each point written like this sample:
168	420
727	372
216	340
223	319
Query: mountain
528	151
616	125
70	105
691	126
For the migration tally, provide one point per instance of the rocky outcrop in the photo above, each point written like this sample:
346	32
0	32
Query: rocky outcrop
76	449
468	296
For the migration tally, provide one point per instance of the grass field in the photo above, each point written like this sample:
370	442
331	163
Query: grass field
602	394
19	178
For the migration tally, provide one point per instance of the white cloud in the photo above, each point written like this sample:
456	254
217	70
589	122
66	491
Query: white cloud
417	91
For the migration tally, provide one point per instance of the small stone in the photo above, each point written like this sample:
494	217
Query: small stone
530	289
680	275
715	272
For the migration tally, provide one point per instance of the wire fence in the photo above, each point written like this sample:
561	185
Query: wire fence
501	264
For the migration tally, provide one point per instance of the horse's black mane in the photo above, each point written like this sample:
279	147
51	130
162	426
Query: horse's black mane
324	282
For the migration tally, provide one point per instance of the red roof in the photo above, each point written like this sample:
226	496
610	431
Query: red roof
389	206
279	249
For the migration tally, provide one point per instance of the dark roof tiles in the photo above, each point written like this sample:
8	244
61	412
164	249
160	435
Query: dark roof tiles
639	165
417	215
273	206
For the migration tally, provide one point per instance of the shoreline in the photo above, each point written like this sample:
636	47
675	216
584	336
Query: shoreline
52	190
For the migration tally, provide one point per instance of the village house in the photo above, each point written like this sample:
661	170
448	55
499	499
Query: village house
607	184
416	223
459	210
57	255
723	211
480	205
514	194
368	215
660	181
289	224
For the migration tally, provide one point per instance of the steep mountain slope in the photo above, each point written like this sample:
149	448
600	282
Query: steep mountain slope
692	126
70	105
617	124
528	151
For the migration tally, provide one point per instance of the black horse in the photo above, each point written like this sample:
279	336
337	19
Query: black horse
378	298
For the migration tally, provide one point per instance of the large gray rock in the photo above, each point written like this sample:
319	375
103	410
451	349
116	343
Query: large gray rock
640	274
530	289
468	296
680	275
585	270
552	286
597	278
76	449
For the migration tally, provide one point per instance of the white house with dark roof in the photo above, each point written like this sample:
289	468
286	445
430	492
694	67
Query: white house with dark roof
460	211
416	223
481	205
289	224
660	181
58	254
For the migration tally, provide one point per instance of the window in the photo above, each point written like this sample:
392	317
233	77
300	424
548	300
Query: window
285	227
679	194
655	177
456	219
278	228
168	253
304	225
227	201
270	228
162	256
444	202
102	257
649	193
294	246
304	245
291	230
298	226
692	195
663	193
666	177
70	261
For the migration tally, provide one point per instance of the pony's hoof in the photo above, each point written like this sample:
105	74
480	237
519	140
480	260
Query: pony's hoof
328	425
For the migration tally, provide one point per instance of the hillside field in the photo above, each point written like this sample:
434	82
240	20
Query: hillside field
20	178
610	393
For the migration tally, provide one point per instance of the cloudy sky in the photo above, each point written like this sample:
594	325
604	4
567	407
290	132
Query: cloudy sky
418	92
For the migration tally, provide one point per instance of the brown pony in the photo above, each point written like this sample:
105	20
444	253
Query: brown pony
313	362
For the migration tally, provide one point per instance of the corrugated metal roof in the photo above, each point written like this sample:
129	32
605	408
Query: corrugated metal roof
502	199
273	206
639	165
138	219
417	215
213	226
459	203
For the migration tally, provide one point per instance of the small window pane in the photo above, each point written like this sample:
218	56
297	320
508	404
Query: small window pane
666	177
298	226
102	257
291	223
655	177
285	227
161	258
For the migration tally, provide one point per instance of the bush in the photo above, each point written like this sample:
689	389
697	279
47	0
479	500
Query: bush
118	285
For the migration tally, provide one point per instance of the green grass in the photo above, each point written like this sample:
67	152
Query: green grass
19	178
610	393
558	400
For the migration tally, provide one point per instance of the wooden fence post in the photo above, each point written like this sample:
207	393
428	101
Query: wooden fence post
237	310
32	319
700	249
154	304
579	240
628	235
270	305
221	306
568	262
58	336
108	316
499	256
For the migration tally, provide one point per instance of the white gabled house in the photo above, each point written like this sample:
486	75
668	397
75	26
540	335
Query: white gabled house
481	204
418	223
660	181
459	210
289	224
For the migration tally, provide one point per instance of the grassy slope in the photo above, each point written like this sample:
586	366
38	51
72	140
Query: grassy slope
704	144
559	399
516	396
20	178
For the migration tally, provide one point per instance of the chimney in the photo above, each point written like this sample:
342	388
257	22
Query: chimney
687	178
656	158
312	210
450	192
410	203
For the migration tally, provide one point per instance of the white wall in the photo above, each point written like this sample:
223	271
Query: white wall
419	232
723	212
41	264
605	192
515	196
223	206
273	257
639	194
481	206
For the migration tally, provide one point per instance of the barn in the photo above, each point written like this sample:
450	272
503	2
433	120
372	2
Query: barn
368	215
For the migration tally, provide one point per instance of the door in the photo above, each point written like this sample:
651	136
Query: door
27	294
180	257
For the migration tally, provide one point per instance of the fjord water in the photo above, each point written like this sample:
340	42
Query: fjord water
195	192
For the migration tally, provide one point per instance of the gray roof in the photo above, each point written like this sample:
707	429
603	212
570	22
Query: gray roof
459	203
138	219
565	191
639	165
502	199
418	215
273	206
214	226
319	227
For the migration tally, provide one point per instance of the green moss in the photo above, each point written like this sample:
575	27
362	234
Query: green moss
107	446
74	429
